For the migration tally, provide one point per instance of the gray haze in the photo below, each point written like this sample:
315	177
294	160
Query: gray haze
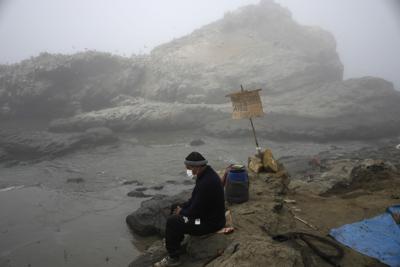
367	31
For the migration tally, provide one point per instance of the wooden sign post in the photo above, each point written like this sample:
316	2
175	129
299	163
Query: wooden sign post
247	104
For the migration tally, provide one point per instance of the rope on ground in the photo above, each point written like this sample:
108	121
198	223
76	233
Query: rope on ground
306	238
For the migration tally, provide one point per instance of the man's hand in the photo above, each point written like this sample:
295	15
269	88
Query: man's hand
177	210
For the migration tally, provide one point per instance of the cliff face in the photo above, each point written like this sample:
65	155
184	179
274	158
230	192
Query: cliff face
58	85
259	46
359	97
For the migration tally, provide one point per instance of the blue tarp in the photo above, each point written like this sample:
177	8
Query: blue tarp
378	237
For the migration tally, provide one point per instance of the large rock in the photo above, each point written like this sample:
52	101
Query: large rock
339	176
37	145
364	108
261	253
195	251
152	255
258	45
151	217
366	174
57	85
206	247
143	115
359	97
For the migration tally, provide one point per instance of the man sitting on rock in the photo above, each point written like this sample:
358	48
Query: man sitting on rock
203	213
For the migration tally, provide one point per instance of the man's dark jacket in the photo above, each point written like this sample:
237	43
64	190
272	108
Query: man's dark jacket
207	202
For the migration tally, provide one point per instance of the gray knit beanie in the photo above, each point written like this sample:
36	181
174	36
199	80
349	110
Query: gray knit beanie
195	159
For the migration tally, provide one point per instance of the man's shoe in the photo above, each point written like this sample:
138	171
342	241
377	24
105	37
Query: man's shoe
167	261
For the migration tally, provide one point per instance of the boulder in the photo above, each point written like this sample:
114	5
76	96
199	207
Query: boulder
141	189
197	142
36	145
261	253
131	182
78	180
157	187
143	116
206	247
138	194
259	45
151	217
341	176
173	182
195	251
366	174
52	85
153	254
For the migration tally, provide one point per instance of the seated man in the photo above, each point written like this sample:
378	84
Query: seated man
202	214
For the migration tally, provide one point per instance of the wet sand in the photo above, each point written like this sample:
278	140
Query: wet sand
45	227
46	221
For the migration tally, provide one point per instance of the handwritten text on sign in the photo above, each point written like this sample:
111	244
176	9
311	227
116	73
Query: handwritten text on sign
246	104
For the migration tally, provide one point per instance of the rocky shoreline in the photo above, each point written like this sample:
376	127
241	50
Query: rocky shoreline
340	191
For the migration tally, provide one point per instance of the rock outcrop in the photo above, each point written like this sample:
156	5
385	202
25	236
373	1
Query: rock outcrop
369	172
151	217
143	115
362	108
258	45
60	85
182	84
29	146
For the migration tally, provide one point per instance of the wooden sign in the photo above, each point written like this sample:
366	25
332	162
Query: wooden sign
246	104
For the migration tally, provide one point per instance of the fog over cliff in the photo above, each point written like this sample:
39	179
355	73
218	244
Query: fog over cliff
182	84
367	31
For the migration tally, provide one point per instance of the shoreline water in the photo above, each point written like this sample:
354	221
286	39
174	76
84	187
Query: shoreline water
76	222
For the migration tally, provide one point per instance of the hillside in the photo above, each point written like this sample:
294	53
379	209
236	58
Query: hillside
259	46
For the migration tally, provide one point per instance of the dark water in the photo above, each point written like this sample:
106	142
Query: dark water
46	221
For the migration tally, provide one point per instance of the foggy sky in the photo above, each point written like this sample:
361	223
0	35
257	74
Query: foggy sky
367	31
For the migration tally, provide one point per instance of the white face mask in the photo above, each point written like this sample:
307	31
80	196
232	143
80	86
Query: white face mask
191	175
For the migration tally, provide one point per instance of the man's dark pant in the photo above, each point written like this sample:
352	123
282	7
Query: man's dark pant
177	228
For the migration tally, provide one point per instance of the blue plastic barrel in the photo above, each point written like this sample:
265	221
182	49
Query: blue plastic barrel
238	175
237	185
